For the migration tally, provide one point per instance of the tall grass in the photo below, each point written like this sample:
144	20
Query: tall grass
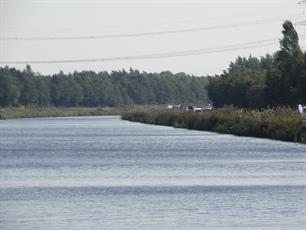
28	112
279	124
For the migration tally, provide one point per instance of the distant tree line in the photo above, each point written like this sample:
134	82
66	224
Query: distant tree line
273	80
88	88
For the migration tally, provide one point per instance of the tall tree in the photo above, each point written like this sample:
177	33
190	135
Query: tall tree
283	86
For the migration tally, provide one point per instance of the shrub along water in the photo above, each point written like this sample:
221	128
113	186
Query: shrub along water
280	124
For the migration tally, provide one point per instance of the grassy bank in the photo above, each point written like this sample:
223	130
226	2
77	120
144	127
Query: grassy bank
280	124
28	112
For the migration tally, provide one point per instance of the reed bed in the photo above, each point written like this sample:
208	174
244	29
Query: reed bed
31	112
282	124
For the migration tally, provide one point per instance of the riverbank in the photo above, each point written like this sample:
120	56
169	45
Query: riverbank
29	112
280	124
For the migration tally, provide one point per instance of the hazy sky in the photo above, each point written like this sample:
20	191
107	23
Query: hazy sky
217	23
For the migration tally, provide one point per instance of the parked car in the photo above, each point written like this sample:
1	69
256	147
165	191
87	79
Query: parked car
302	108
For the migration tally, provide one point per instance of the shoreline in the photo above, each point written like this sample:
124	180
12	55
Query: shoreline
280	124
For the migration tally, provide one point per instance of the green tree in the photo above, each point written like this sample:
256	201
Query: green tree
9	91
283	85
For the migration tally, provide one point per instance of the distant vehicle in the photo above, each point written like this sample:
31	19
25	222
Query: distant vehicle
302	108
197	109
207	108
190	107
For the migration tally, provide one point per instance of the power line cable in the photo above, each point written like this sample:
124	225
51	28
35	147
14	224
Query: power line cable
241	46
164	32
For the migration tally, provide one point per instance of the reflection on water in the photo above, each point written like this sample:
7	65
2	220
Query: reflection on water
104	173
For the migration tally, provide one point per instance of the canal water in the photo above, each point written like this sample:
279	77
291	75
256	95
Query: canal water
105	173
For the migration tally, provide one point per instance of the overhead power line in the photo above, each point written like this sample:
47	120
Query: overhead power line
300	23
241	46
141	34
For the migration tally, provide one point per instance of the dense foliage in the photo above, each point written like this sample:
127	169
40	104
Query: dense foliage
92	89
274	80
280	124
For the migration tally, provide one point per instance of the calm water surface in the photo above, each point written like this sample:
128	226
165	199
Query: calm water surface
104	173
